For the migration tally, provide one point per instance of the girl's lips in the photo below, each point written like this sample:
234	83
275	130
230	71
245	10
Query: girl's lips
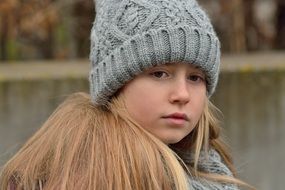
176	118
175	121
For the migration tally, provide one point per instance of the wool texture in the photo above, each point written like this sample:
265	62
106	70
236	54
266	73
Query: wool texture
212	163
129	36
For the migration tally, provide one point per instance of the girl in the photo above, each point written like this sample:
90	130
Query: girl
148	123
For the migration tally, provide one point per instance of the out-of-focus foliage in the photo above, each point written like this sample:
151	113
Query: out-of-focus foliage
59	29
46	29
248	25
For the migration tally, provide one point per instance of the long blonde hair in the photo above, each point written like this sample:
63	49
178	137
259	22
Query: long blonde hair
82	146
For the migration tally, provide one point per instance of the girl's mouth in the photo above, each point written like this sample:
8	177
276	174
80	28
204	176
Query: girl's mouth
176	118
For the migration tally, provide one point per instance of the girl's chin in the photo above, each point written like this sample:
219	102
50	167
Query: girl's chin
172	140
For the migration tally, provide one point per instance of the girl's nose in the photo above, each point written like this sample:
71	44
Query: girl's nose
180	93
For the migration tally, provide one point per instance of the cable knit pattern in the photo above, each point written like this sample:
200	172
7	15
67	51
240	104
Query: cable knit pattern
129	36
210	163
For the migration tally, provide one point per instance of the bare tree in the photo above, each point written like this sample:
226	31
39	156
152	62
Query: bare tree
280	25
7	22
83	22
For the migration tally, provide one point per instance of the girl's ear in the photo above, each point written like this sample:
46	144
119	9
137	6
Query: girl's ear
207	93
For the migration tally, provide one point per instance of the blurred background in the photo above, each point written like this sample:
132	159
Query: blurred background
59	29
44	48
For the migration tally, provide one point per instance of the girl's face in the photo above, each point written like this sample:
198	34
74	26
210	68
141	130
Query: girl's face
167	100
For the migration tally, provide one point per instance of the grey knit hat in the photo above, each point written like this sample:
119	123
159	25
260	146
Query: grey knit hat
129	36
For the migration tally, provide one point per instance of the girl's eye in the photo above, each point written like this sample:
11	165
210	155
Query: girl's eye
159	74
196	78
